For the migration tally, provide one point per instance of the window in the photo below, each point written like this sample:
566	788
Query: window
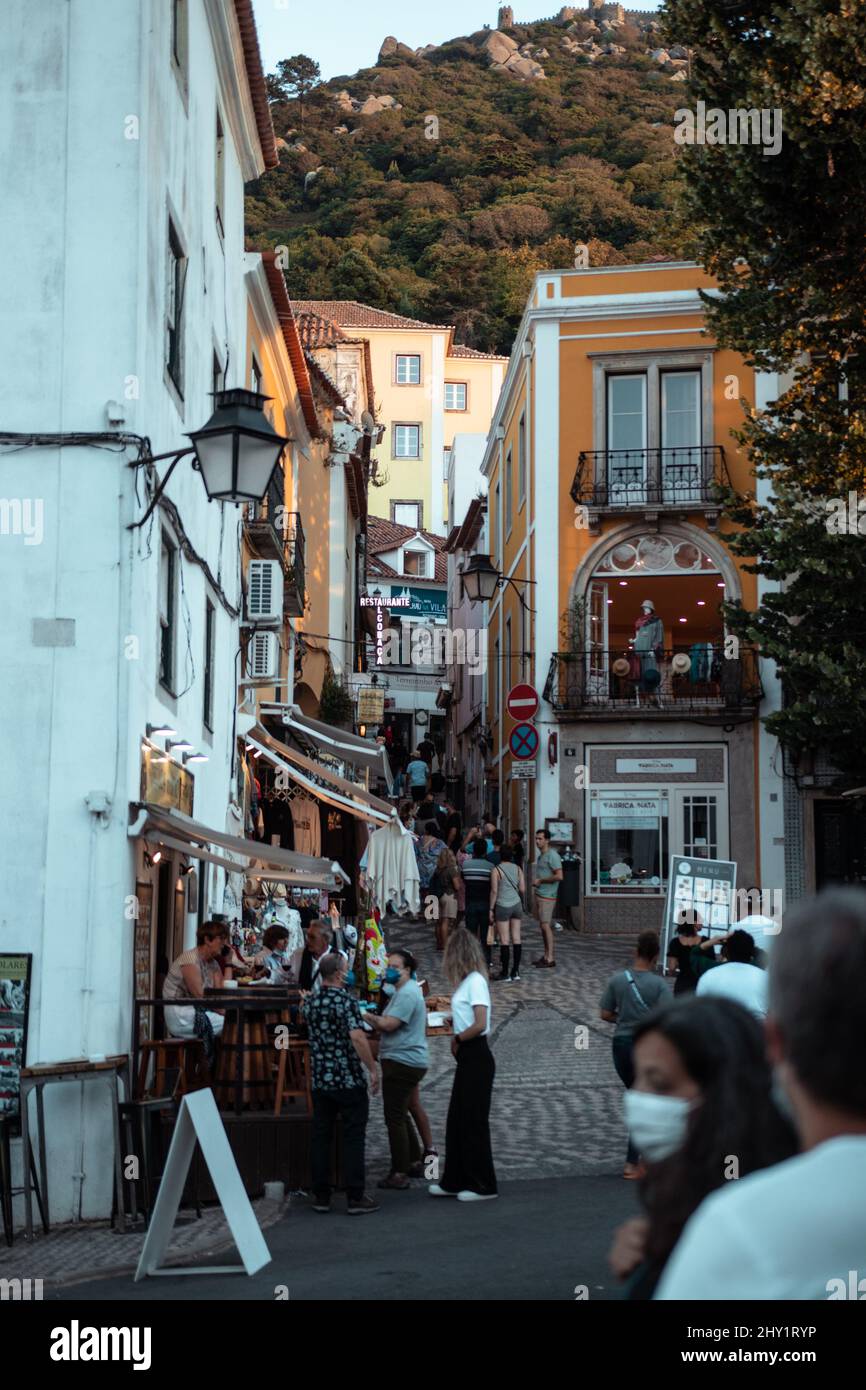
628	840
496	674
209	619
255	375
497	543
176	279
407	442
509	503
521	461
417	563
179	37
455	395
508	673
407	514
217	374
408	370
220	176
167	603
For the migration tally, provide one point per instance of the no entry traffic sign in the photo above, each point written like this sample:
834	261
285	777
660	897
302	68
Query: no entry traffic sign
523	742
522	702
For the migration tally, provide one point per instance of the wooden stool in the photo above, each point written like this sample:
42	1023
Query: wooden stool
293	1075
186	1056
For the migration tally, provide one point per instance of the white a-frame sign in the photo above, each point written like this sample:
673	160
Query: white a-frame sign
199	1119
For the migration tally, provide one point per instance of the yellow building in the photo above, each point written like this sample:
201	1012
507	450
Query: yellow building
613	429
427	389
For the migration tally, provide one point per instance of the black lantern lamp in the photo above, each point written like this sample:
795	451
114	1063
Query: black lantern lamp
236	452
480	579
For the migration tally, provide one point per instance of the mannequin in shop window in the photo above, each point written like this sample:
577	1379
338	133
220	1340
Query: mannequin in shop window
649	646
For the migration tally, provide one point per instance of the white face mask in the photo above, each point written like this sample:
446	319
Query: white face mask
657	1124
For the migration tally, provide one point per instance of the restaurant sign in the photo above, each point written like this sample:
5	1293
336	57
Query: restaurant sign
165	782
420	603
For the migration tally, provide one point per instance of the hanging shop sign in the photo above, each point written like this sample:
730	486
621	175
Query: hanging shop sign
165	782
421	603
15	971
371	705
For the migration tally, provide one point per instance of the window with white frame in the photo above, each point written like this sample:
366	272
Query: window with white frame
455	395
509	501
408	369
167	606
407	514
220	176
497	541
496	678
417	563
628	840
521	461
176	269
407	442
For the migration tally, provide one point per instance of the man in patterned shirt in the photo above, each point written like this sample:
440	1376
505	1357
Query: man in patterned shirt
339	1052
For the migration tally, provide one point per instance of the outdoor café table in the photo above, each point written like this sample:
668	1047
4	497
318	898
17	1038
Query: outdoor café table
110	1069
245	1072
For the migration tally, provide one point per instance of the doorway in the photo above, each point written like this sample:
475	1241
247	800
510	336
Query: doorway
840	842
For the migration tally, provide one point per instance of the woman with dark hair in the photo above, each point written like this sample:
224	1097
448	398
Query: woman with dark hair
273	958
701	1113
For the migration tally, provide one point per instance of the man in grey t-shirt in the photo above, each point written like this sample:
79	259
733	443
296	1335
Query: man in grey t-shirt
402	1029
628	997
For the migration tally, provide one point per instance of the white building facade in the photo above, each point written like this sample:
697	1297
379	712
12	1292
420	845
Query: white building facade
131	132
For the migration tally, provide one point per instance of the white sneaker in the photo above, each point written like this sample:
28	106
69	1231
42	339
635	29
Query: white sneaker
476	1196
434	1190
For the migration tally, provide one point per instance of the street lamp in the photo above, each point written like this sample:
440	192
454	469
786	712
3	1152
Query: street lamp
236	452
480	579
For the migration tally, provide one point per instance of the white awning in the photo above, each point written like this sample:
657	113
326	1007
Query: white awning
160	826
349	748
320	781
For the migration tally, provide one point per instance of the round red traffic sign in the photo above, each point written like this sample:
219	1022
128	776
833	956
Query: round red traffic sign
523	743
522	702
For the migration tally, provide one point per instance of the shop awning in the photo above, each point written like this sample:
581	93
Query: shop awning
319	780
349	748
160	826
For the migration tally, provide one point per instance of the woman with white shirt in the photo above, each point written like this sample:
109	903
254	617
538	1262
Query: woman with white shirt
469	1174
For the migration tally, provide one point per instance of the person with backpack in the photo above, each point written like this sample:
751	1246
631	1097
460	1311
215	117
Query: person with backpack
628	997
506	912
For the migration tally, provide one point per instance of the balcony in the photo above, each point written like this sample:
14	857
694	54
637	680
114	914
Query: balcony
605	685
647	481
264	521
295	565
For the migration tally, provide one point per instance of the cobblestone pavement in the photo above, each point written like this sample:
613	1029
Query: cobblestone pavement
557	1106
557	1101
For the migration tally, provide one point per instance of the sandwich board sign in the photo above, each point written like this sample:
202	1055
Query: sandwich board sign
705	887
199	1121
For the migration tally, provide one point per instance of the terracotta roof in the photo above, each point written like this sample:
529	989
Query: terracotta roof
463	537
383	535
256	79
348	313
317	331
282	304
377	567
458	350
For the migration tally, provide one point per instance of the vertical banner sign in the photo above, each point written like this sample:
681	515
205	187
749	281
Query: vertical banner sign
704	886
15	973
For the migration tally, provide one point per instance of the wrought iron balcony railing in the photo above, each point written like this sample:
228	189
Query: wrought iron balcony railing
265	520
699	680
624	479
295	563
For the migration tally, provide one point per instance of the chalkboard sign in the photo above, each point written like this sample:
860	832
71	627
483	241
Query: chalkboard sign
15	973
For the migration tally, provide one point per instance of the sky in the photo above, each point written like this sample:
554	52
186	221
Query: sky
345	35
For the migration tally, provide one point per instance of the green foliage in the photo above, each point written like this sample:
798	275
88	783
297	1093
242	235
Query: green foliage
335	705
784	236
453	228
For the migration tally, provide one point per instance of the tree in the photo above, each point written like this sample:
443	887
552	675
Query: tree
294	79
783	234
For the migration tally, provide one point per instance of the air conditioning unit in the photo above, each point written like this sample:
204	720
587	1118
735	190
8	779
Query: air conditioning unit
263	656
265	591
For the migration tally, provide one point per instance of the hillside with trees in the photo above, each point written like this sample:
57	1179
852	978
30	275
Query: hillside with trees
443	196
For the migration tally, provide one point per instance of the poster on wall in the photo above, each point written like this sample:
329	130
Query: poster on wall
15	973
704	886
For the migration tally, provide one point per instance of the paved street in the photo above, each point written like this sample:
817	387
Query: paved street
558	1143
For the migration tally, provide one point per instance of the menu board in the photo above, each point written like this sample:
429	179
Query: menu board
14	1012
141	965
703	886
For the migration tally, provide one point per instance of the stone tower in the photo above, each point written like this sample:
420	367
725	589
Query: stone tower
506	17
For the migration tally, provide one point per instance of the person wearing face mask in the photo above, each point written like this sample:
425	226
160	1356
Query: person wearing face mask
702	1097
402	1030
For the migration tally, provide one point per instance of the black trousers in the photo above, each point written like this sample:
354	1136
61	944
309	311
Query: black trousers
398	1083
478	920
353	1106
468	1156
623	1060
